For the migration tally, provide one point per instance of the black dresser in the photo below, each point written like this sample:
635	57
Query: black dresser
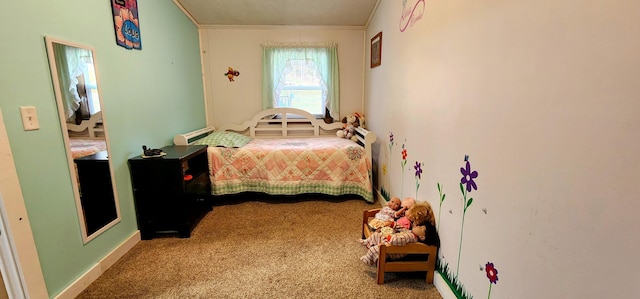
171	191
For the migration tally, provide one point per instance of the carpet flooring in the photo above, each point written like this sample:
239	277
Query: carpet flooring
282	248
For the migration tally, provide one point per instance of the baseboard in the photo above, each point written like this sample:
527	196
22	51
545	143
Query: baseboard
442	287
111	258
92	274
381	200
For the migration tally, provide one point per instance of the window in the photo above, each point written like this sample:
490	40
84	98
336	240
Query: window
301	86
92	87
303	77
79	83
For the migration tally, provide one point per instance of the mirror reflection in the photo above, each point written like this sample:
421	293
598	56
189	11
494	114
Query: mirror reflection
75	81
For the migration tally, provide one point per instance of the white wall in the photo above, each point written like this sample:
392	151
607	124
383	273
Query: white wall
544	97
239	48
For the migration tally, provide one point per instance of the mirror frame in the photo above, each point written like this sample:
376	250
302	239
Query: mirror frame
65	133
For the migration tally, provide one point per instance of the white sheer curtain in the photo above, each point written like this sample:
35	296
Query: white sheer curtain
325	56
70	65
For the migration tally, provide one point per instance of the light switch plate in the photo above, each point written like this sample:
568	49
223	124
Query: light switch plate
29	118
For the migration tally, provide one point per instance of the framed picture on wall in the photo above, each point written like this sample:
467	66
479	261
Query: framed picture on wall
126	23
376	50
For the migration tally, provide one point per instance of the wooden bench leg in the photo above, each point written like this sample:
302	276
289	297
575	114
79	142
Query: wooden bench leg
382	258
430	276
432	266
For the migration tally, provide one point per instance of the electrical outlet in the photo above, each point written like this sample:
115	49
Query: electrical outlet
29	118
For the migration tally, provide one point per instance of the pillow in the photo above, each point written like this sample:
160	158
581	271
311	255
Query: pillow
224	139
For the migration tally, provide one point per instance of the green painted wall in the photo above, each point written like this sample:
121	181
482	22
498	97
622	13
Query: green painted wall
148	96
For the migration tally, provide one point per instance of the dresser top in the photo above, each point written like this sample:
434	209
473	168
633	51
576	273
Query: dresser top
176	152
99	156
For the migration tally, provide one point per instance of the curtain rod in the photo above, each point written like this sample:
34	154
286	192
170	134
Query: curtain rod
299	45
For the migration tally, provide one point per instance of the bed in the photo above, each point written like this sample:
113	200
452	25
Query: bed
81	147
285	151
87	138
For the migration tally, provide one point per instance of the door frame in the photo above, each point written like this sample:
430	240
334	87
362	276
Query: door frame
19	260
9	266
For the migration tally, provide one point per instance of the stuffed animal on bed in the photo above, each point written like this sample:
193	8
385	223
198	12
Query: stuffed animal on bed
351	122
421	217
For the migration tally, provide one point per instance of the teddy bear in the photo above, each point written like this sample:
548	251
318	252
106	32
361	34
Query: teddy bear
351	122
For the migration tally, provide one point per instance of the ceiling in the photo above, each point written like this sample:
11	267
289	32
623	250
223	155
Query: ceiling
279	12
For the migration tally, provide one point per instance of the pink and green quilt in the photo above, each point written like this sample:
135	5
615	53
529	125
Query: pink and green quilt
326	165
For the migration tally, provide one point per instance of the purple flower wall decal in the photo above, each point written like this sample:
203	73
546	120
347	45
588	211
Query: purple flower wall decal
418	169
468	176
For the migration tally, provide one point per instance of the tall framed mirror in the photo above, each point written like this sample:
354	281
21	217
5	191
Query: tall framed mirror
74	74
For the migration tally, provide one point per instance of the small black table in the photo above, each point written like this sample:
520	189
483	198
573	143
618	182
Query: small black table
171	191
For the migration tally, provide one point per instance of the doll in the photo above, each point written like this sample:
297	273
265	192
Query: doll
387	215
402	223
420	216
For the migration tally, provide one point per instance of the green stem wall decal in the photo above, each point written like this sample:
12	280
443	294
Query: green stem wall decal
467	179
442	196
389	160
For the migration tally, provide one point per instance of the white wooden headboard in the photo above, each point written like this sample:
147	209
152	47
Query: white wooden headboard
281	123
92	126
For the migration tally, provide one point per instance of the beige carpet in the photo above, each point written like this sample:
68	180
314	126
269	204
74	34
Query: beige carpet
260	249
